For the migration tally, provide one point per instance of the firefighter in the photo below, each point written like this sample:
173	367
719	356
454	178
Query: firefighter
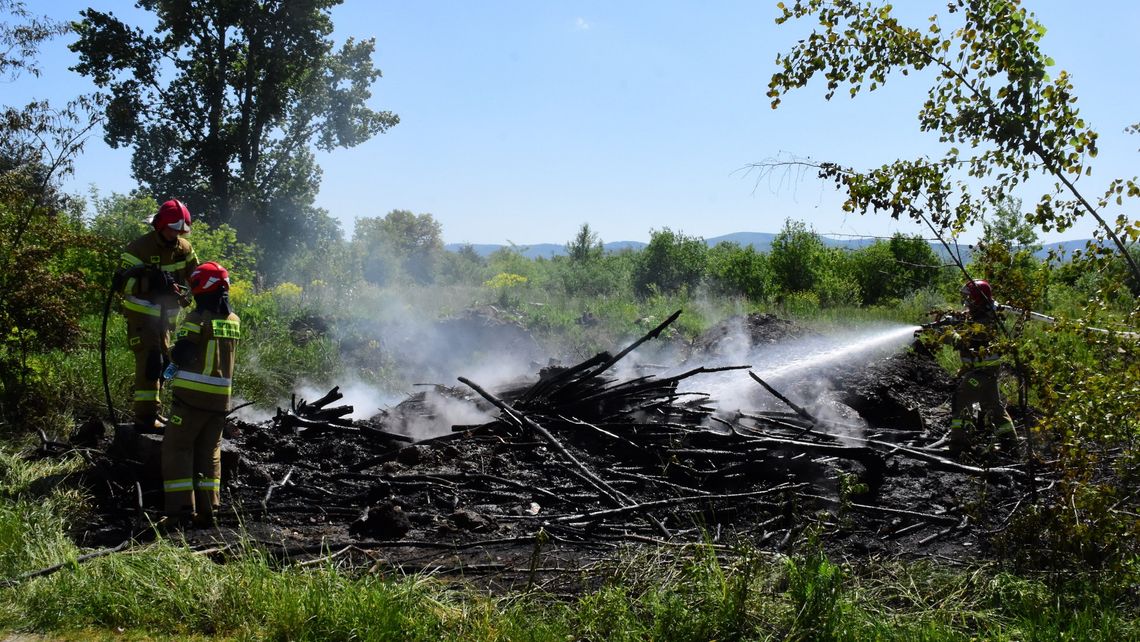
203	364
153	269
973	331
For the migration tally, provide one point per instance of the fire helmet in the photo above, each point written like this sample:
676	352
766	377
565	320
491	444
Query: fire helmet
978	292
209	277
172	214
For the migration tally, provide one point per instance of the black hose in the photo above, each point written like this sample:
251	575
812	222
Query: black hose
103	354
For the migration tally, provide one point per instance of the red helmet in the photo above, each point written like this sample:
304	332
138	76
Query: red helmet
209	277
978	292
172	214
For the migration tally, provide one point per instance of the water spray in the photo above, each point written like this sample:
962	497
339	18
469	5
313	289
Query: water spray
799	358
842	354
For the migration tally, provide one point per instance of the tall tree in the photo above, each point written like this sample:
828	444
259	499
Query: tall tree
1008	227
670	262
224	102
586	246
798	257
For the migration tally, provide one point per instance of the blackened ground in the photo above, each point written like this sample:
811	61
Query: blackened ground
585	464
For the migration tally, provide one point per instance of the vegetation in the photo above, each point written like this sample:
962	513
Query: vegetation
1003	118
241	124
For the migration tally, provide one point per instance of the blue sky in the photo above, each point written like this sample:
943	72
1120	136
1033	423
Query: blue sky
521	120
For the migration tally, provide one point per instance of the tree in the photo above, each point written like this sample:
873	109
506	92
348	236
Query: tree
797	257
670	262
587	270
890	270
463	266
1002	117
403	241
120	218
1010	228
223	102
1005	253
586	245
739	271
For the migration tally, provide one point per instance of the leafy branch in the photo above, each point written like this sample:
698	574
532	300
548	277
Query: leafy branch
991	92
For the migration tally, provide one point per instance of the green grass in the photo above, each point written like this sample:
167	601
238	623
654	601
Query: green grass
165	591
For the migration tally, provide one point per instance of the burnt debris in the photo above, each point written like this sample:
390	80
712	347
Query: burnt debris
583	458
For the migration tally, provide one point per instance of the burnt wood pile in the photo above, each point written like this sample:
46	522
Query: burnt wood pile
585	458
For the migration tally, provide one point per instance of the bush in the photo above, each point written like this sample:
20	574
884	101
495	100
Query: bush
739	271
670	262
797	258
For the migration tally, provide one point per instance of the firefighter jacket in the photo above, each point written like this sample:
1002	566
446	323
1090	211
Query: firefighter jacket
144	262
204	354
972	335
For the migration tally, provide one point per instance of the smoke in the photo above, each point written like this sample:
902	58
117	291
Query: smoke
418	341
366	400
250	414
440	413
836	418
800	368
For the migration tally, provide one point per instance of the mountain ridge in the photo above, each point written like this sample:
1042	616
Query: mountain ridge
760	241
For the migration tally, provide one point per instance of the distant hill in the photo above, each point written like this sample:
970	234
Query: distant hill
542	250
761	241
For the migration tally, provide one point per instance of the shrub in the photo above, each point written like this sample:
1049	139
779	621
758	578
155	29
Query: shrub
670	262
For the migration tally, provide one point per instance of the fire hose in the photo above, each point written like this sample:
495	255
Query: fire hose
103	353
1037	316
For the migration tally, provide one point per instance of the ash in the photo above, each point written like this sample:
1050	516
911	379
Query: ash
550	475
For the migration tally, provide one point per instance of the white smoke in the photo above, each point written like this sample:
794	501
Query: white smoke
366	400
250	414
441	413
799	368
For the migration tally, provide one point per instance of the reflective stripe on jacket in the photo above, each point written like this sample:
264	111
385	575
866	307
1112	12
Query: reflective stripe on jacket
149	250
206	380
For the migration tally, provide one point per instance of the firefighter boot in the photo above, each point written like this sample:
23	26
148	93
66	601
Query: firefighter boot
1007	438
149	425
958	437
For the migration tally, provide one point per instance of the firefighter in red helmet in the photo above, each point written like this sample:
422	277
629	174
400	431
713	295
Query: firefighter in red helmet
204	354
153	271
974	329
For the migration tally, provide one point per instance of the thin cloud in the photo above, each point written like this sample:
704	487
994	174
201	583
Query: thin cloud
581	24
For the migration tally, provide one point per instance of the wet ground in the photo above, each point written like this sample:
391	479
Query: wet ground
554	473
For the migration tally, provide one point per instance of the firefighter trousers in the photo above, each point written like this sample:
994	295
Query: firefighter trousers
149	338
979	385
192	462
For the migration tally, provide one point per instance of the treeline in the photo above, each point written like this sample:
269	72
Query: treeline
406	249
402	248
